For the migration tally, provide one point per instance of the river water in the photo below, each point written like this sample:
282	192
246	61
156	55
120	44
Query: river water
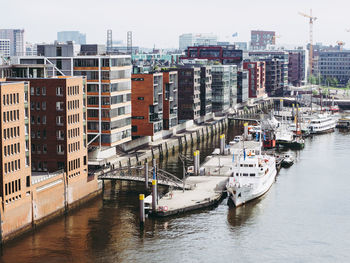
305	217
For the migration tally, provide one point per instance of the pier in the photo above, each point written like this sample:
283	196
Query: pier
207	191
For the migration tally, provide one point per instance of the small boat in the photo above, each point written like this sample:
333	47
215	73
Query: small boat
252	176
343	123
288	161
238	138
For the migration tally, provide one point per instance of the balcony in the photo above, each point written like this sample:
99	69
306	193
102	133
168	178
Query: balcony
154	117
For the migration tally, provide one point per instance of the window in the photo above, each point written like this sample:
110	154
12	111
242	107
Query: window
59	120
31	91
60	149
44	148
59	91
37	91
43	91
44	119
43	105
59	105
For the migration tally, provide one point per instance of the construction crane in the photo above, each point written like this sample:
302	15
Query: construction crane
311	23
340	44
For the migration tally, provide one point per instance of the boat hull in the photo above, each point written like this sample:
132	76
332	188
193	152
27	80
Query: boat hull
242	195
323	131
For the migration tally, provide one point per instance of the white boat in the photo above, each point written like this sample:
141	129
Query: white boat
238	138
251	178
288	160
322	123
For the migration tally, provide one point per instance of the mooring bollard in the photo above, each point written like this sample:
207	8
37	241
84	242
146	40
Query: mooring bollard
245	130
142	208
154	169
146	175
222	143
195	168
154	196
198	161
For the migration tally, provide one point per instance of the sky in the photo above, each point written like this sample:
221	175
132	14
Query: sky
160	22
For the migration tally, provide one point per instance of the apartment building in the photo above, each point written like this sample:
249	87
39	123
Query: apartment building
233	86
189	93
256	77
283	57
58	125
226	55
296	67
108	88
206	93
15	155
24	71
170	98
259	39
147	104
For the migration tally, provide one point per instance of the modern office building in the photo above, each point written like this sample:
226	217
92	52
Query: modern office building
5	49
256	77
296	67
147	104
223	87
206	93
16	37
226	55
108	88
15	156
170	98
189	93
191	39
334	64
233	86
259	40
76	36
242	86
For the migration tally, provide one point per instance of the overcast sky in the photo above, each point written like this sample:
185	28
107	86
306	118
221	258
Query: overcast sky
160	22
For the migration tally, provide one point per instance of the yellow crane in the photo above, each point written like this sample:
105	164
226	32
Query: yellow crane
311	23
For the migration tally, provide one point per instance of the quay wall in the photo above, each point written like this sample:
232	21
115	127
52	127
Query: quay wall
47	199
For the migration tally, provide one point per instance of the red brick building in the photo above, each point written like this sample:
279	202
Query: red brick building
146	104
256	78
259	39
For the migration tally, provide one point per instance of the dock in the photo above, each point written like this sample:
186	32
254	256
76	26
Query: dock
206	191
